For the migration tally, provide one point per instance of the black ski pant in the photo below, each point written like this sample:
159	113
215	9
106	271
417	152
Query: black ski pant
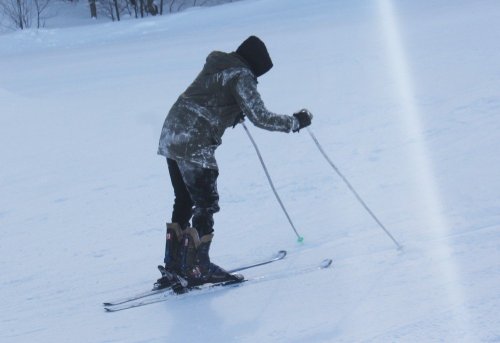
196	196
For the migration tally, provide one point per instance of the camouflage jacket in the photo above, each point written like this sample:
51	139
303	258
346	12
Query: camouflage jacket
225	88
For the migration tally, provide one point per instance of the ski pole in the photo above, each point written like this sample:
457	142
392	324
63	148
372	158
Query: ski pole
352	189
300	239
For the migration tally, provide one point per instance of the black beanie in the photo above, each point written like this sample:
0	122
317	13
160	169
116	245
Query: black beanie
254	52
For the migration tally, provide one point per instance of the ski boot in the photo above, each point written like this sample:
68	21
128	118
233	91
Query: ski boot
197	267
170	273
210	272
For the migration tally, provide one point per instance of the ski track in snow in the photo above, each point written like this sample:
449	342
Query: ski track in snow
84	197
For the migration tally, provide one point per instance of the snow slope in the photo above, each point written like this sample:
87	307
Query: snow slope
406	102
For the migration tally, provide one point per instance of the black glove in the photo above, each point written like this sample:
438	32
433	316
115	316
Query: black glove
304	118
240	118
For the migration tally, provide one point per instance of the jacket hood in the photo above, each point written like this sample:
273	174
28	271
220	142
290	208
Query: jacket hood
218	61
255	53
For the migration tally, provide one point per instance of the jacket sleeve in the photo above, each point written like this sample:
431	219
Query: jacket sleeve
244	90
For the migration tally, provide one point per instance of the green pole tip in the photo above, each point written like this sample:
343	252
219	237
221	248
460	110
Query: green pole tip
300	239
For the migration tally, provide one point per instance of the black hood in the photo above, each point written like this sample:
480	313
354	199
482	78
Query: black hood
254	52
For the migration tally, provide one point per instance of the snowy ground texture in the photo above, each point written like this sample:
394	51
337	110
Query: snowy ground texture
406	97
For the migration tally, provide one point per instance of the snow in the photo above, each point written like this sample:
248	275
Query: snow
405	102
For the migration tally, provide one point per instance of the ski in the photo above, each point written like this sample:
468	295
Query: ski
210	288
278	256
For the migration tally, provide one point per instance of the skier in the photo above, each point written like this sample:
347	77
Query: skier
221	96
